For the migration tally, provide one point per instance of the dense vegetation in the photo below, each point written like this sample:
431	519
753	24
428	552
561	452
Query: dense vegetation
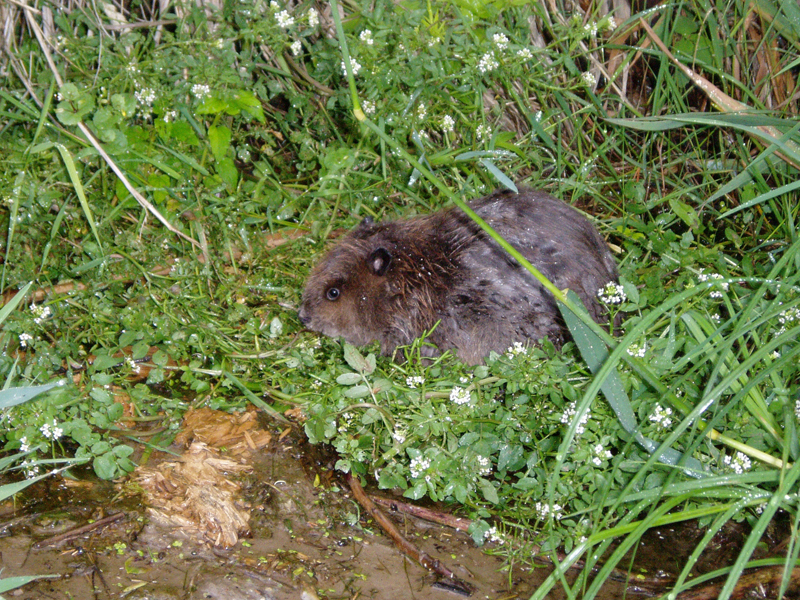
166	188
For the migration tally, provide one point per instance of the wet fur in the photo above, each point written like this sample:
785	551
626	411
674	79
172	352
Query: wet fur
397	279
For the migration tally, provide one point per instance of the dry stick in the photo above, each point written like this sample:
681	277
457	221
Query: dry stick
43	44
405	546
78	531
717	96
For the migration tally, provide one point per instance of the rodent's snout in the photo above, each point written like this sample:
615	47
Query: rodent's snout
302	314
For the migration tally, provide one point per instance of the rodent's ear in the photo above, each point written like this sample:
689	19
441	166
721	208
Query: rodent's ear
379	261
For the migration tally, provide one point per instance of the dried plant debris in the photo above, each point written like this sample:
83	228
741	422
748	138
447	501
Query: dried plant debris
238	433
194	495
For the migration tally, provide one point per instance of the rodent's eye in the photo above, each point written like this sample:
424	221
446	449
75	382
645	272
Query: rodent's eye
332	293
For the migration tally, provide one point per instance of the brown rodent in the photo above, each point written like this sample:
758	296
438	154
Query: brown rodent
393	281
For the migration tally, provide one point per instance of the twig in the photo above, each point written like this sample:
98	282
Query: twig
78	531
405	546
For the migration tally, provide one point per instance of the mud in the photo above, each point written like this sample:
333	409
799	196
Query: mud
302	545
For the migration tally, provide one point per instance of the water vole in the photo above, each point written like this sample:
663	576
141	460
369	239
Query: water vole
393	281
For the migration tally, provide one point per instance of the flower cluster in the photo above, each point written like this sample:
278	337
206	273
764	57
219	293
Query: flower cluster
459	395
448	124
739	462
488	62
413	381
419	465
612	293
569	413
366	37
40	313
24	338
662	416
200	90
600	454
492	535
637	350
546	510
355	66
703	277
515	350
52	432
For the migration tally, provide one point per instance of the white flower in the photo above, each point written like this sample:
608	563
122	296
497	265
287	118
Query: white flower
488	63
422	112
366	37
588	78
797	409
525	53
483	132
413	381
200	90
545	510
612	293
419	465
170	116
368	106
448	124
355	66
493	535
313	17
24	444
637	350
145	96
739	463
662	416
600	454
51	432
399	434
24	338
703	276
611	24
284	19
459	395
500	40
515	350
569	412
484	466
40	313
296	47
590	29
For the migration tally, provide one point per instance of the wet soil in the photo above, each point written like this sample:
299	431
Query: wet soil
301	545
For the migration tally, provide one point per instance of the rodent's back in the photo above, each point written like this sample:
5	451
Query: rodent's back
395	280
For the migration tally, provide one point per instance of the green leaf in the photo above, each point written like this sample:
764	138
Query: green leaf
348	379
14	396
11	583
219	138
686	213
358	391
488	490
357	362
105	466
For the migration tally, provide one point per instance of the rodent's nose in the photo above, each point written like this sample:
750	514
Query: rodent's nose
303	315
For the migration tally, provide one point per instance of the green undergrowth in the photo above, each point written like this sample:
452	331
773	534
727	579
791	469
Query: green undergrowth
246	133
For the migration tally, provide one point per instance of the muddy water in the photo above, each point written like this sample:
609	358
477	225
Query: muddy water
301	546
